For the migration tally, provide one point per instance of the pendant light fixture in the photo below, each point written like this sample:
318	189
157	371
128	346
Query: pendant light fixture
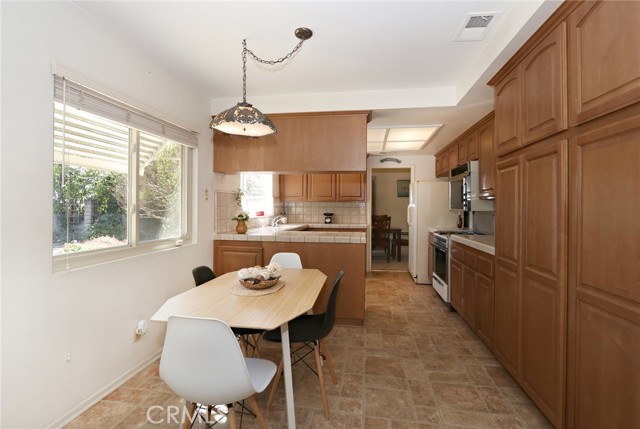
243	119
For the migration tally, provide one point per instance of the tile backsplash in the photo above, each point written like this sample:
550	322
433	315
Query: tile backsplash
297	212
311	212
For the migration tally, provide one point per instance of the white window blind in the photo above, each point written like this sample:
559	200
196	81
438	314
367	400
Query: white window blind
94	102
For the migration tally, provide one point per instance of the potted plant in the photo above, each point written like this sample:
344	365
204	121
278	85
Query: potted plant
241	218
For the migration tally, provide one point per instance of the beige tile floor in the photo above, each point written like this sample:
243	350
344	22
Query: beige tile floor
414	365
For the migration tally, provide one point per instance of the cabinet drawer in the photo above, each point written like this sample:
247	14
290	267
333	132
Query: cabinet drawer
485	264
457	252
470	258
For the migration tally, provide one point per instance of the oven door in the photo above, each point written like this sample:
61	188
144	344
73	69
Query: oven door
441	271
440	263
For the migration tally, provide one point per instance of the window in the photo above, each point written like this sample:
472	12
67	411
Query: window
258	193
121	180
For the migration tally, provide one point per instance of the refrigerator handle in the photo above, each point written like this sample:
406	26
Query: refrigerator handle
409	214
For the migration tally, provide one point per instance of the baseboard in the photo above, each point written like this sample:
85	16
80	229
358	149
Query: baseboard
67	418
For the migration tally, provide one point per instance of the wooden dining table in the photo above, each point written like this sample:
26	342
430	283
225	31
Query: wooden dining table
216	299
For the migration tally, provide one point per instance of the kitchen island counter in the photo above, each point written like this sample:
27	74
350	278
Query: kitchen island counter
301	233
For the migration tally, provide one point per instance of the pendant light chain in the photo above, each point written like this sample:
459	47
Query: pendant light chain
243	119
246	51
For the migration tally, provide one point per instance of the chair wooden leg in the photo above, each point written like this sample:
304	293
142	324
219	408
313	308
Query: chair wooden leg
325	352
325	403
186	424
276	382
256	349
256	411
231	417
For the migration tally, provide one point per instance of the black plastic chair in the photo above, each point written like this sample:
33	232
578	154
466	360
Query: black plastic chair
203	274
309	330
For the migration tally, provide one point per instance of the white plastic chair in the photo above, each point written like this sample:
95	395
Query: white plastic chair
202	362
287	260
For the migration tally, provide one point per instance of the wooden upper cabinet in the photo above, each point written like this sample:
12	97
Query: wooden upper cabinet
544	87
462	151
531	99
305	142
293	187
507	113
442	164
487	163
322	187
604	58
351	187
473	148
453	156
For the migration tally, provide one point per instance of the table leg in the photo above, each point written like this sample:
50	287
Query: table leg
288	383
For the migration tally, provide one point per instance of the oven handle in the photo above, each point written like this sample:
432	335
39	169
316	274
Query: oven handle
443	248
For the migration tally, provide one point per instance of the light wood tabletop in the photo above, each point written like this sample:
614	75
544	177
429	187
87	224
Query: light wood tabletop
214	299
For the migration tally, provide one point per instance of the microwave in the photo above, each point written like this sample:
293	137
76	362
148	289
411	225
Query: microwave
463	189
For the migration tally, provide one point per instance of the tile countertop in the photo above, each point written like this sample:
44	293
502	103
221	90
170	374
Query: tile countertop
292	233
484	243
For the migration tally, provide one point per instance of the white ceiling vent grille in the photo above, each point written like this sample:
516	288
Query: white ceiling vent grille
475	26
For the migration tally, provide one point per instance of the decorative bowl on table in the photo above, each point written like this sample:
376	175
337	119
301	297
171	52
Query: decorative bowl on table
260	277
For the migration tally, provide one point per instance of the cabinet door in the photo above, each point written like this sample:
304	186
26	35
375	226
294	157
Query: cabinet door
487	162
462	151
604	288
351	187
484	297
468	296
322	187
507	278
507	113
442	165
473	150
544	87
232	256
604	58
544	231
453	156
293	187
456	277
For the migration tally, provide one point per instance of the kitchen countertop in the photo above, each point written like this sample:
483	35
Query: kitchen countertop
292	233
484	243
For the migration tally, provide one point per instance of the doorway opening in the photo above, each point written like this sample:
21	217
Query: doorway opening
390	197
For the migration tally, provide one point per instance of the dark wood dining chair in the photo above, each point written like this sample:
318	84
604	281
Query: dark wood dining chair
380	236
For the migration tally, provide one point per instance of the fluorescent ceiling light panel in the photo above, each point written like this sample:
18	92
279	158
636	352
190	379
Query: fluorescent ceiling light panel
409	145
381	140
376	134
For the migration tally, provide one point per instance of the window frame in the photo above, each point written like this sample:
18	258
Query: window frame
135	247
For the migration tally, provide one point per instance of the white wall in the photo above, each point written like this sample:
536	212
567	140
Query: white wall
89	314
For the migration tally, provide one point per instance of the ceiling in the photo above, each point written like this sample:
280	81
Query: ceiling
396	58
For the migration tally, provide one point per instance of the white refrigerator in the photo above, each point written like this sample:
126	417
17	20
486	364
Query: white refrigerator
428	207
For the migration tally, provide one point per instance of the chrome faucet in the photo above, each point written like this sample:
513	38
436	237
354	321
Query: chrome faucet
278	219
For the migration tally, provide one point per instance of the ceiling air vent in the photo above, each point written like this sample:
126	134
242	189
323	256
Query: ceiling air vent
475	26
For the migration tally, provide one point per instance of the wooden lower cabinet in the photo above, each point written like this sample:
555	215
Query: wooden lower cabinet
530	281
472	293
456	281
604	277
231	255
234	255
